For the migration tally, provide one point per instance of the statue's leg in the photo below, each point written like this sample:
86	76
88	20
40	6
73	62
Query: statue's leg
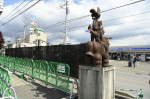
89	54
88	60
105	59
97	55
92	37
97	60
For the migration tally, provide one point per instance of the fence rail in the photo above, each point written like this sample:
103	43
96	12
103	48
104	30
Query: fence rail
53	73
5	80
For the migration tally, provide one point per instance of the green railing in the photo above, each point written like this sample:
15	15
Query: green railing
5	80
62	72
53	73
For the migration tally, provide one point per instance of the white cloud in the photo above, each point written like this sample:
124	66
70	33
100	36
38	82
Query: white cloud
49	13
135	40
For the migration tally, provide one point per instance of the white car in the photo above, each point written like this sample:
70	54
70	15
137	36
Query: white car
148	58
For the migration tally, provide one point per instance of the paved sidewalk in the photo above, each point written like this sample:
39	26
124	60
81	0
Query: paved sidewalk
36	90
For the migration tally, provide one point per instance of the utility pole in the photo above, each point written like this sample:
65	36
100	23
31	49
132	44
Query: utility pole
37	37
66	4
24	33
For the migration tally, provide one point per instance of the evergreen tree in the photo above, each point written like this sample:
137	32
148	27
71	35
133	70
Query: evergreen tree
1	40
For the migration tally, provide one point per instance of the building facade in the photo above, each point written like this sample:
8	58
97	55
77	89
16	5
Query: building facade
38	38
126	52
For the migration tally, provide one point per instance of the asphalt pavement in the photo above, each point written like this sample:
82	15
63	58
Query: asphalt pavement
132	78
125	78
34	90
141	68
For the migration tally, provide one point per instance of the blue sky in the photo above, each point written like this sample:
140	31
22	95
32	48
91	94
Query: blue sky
11	2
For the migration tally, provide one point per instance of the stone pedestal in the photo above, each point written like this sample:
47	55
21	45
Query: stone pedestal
96	82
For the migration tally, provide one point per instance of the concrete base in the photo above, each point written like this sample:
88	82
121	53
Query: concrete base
96	82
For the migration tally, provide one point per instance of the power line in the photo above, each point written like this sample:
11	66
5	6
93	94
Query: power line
52	4
53	34
12	27
19	10
123	5
131	22
14	10
110	25
20	13
39	11
114	19
128	16
49	3
110	19
62	22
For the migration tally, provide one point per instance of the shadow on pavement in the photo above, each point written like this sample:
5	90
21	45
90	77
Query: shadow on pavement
48	93
37	90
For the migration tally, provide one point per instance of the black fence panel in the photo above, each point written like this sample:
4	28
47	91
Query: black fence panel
73	55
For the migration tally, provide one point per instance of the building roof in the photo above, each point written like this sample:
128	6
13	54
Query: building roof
129	48
133	46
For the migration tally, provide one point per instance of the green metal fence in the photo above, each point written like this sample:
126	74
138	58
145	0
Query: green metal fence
28	67
62	72
5	80
53	73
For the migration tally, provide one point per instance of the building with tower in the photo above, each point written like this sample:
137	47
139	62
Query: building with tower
37	37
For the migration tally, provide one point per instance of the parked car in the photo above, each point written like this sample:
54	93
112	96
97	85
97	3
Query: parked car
148	58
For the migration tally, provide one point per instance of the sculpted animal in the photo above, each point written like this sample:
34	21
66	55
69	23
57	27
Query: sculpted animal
97	54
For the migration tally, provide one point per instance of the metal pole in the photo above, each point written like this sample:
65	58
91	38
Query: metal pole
24	34
66	22
37	37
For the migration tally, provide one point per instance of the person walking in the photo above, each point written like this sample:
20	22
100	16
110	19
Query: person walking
134	60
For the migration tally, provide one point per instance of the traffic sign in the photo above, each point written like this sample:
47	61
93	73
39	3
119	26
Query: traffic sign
34	18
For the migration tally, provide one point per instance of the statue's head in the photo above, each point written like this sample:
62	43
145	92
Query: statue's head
95	14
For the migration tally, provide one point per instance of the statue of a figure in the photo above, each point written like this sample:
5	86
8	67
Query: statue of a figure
95	29
97	52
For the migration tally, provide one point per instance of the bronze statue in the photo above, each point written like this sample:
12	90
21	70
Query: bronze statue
95	29
97	52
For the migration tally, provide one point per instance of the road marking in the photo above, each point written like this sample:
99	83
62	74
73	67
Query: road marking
135	70
121	72
133	81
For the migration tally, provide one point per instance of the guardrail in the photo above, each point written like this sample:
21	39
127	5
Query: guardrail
5	80
53	73
139	93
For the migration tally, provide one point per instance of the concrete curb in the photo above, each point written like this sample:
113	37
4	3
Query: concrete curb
123	95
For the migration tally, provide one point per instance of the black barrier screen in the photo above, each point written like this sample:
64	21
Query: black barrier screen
73	55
